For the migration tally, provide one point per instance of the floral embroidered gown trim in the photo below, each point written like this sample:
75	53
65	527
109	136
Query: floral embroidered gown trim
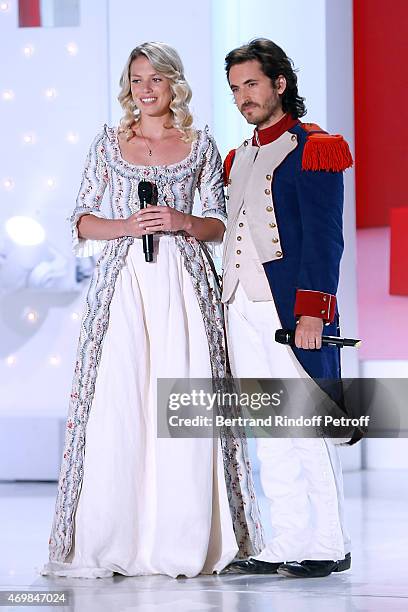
176	184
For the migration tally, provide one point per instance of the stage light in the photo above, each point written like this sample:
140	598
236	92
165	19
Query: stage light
8	184
72	48
31	316
75	316
54	360
4	7
11	360
28	51
25	231
8	95
72	137
51	183
50	93
29	138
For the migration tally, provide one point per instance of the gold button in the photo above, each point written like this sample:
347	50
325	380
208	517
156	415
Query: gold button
325	298
239	238
278	253
293	138
237	265
240	224
272	225
269	208
322	312
268	191
268	177
238	252
275	240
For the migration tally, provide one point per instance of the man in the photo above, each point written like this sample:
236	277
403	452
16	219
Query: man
282	253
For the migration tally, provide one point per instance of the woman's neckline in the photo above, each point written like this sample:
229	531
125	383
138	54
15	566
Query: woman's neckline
132	165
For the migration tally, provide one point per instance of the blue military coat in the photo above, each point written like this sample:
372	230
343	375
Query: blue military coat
309	211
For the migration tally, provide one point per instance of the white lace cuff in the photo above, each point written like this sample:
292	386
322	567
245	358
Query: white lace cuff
85	247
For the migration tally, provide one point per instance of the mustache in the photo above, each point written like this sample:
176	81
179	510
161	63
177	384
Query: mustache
248	105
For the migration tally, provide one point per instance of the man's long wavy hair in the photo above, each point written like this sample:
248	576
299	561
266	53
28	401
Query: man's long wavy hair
274	62
166	61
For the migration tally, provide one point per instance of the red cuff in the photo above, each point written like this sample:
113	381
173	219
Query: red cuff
315	304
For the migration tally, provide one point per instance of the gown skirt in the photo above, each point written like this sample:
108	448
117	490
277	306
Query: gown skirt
149	505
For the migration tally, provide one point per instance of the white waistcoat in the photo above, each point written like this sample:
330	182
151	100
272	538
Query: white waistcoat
252	235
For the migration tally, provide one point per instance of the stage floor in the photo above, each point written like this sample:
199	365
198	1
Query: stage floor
376	505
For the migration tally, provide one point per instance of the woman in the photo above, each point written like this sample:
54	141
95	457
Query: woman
128	501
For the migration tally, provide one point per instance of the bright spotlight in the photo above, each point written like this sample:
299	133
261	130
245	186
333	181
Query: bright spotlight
25	231
72	137
72	48
8	184
8	95
50	93
28	51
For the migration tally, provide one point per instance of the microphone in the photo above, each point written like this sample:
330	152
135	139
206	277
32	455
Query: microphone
287	336
145	192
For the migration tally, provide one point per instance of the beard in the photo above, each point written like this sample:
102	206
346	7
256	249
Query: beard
260	114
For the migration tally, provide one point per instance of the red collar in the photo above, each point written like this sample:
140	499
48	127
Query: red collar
273	132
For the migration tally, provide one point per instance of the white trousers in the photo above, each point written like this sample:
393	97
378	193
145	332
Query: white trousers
300	477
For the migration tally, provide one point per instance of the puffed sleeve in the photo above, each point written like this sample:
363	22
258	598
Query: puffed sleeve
210	182
93	185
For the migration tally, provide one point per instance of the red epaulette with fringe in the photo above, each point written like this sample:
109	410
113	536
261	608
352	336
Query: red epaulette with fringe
325	151
228	161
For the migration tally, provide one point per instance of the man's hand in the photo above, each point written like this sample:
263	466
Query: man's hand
308	333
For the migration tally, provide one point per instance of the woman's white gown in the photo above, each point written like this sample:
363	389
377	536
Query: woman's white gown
149	505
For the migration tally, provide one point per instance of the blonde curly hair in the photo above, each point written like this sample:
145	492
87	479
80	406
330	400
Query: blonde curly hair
167	62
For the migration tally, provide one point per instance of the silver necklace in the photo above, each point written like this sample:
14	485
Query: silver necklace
145	141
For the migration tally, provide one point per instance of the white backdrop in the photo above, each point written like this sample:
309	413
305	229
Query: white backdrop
53	93
36	358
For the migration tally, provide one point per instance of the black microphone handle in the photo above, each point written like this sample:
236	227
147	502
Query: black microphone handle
145	191
148	248
287	336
